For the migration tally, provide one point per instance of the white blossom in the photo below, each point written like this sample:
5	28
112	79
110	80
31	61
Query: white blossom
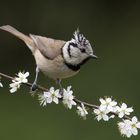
125	128
123	110
16	83
101	113
108	103
49	97
22	77
129	127
14	86
135	124
82	111
68	97
42	99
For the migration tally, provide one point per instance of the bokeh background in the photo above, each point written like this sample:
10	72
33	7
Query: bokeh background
112	27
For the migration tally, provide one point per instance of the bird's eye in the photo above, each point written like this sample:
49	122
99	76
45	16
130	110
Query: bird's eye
82	50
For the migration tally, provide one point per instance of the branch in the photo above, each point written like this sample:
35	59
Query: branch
45	89
41	88
27	84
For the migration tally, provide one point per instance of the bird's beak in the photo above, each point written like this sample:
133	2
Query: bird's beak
93	56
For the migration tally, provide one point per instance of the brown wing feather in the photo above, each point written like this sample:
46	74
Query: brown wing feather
20	35
50	48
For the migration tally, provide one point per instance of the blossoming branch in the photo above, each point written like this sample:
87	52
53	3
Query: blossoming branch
108	108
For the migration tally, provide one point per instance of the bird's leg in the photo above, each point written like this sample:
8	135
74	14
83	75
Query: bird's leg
34	85
58	81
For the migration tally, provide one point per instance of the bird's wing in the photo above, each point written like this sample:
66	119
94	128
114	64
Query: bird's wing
50	48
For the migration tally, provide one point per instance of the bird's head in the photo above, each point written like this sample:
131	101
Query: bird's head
78	50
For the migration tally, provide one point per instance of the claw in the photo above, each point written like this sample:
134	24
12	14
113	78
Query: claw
34	87
58	81
61	91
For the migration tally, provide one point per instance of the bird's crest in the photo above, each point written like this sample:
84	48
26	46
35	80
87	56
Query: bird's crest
80	39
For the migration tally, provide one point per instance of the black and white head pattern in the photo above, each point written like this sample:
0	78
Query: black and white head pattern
77	51
80	39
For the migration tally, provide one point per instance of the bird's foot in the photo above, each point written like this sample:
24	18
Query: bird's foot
34	87
61	91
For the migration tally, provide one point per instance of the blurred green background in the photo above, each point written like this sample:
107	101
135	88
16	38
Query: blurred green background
112	27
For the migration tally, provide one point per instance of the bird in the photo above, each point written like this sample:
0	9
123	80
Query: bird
57	59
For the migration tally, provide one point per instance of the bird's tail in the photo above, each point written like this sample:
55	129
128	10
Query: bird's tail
29	42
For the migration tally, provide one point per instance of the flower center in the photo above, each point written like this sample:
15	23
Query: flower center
53	95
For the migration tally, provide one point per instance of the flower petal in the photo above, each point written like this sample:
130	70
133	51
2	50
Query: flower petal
20	74
24	80
52	90
112	116
56	92
113	103
134	120
130	109
121	114
26	74
99	117
56	100
73	102
49	100
105	117
134	131
127	113
102	107
14	89
68	88
47	94
124	106
138	125
118	108
102	101
69	105
108	100
110	108
128	134
97	111
1	85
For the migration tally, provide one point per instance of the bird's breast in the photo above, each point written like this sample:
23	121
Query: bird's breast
55	68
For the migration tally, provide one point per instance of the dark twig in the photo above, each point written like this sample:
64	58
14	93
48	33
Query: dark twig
90	106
